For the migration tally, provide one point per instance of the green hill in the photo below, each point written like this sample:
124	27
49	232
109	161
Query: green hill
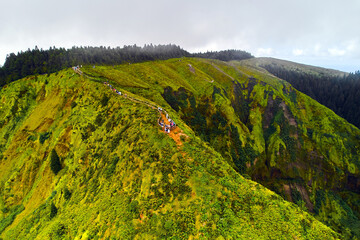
336	90
79	161
293	66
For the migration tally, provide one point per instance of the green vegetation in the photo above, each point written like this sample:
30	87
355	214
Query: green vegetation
122	177
44	136
53	210
336	90
67	194
6	221
55	164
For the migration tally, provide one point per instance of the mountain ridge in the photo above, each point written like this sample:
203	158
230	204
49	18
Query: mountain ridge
39	61
116	161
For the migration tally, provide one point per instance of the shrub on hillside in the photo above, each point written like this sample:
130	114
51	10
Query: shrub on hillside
111	167
32	138
44	136
133	209
58	231
55	164
53	210
104	100
73	104
99	119
67	194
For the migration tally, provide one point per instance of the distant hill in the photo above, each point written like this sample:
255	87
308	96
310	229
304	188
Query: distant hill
296	67
337	90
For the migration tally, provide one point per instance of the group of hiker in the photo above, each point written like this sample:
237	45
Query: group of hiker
77	69
113	89
166	127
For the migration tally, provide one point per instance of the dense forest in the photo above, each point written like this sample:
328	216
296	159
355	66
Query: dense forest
226	55
340	94
39	61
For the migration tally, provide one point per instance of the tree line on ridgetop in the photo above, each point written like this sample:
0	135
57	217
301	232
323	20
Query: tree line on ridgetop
39	61
339	93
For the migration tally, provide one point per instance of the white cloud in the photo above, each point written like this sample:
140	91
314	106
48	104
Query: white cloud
317	48
298	52
351	46
335	52
261	52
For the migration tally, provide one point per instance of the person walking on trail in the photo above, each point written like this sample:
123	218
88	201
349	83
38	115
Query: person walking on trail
167	127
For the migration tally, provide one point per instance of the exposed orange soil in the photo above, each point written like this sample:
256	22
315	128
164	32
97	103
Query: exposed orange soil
175	133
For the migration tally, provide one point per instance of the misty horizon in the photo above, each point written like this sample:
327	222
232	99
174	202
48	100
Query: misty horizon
329	66
319	33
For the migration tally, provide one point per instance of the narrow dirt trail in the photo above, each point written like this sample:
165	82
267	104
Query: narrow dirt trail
175	132
217	68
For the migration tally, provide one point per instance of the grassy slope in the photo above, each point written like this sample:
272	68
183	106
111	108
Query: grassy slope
121	176
288	65
282	138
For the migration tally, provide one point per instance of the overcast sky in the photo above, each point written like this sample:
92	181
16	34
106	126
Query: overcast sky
317	32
